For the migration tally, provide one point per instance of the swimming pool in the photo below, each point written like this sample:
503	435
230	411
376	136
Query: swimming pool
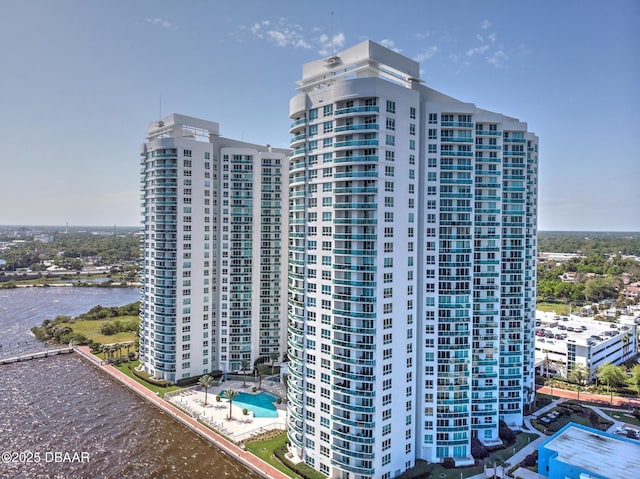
261	405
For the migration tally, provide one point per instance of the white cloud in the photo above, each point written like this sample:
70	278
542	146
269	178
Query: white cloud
498	59
292	35
426	54
492	37
423	36
326	48
390	44
160	22
286	37
485	24
480	49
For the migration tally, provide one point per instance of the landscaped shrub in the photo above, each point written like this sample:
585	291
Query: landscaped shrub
531	459
245	411
279	401
302	469
506	434
478	451
448	463
145	377
254	389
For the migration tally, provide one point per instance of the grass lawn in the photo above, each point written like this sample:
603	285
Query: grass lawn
91	329
264	450
558	308
124	368
620	415
437	471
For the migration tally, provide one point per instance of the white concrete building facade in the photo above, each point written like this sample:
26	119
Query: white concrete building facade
214	267
411	268
565	341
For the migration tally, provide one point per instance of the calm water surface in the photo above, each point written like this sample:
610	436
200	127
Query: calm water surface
64	405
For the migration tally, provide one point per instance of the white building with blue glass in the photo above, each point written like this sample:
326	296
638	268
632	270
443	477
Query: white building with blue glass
215	236
411	268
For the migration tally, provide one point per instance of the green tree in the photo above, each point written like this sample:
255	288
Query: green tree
612	375
206	382
598	288
274	357
635	379
578	375
243	367
231	394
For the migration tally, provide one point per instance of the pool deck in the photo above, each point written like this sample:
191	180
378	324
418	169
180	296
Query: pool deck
254	463
216	414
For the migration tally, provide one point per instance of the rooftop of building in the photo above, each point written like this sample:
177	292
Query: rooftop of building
595	451
581	330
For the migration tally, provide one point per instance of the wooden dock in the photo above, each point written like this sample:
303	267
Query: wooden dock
36	355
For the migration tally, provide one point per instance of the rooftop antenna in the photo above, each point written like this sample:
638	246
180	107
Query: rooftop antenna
160	108
332	53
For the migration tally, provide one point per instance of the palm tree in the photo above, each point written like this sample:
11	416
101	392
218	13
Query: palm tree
274	357
231	394
243	368
206	382
546	366
117	348
578	375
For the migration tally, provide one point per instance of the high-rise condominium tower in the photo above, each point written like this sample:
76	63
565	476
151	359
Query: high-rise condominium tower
411	268
215	238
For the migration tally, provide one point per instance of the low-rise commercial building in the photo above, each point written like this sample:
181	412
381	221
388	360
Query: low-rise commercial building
565	341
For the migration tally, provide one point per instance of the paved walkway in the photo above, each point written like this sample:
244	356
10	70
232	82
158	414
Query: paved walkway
216	413
605	399
249	460
519	456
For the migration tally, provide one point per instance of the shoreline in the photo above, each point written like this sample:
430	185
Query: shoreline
80	284
250	461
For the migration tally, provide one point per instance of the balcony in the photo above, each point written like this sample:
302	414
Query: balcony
368	126
352	143
357	109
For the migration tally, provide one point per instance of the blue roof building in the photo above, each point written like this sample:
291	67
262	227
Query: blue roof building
580	452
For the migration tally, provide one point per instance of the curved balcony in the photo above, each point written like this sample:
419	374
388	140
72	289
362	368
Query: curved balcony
297	153
297	124
297	140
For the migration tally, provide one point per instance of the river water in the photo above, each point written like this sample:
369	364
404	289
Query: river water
69	420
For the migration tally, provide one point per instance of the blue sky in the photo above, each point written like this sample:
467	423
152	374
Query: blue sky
81	80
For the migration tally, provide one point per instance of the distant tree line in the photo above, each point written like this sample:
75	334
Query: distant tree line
589	242
69	250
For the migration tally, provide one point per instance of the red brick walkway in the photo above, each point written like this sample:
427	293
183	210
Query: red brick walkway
252	462
606	400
